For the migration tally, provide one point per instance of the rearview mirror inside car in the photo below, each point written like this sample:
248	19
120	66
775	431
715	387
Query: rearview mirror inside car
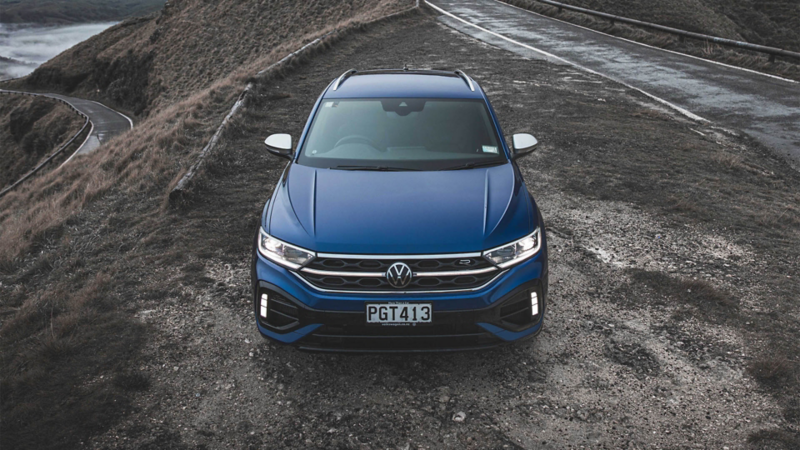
280	145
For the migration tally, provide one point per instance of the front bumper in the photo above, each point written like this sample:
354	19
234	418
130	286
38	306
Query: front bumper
321	321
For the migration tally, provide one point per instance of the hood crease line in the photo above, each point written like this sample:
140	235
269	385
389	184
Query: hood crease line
314	204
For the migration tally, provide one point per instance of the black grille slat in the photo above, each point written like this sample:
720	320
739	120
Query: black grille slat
517	311
400	338
281	313
288	317
283	304
279	320
523	309
382	265
421	336
357	283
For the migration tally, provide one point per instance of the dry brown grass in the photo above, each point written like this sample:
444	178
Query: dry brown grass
685	206
59	333
157	152
789	218
148	157
31	128
143	65
55	349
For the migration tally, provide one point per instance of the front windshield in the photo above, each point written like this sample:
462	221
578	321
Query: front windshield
401	134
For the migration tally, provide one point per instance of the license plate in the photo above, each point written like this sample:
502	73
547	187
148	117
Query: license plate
399	313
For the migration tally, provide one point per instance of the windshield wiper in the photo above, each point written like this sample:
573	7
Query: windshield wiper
374	168
473	165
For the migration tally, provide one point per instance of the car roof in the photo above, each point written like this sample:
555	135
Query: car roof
404	83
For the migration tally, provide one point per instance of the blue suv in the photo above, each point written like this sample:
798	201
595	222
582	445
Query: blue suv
401	223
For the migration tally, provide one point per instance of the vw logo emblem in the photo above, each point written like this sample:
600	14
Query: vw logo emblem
399	275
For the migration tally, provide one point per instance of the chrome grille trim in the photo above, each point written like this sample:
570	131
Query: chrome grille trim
343	274
382	274
442	273
455	273
400	257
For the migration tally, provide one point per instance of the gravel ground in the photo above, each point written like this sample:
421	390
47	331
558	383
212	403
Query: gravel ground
660	298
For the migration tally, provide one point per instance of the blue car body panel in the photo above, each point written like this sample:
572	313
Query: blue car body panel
508	335
339	211
401	213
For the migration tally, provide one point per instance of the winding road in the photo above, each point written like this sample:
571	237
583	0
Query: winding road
106	122
764	106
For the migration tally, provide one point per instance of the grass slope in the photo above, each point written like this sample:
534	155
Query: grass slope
143	65
30	129
74	11
68	350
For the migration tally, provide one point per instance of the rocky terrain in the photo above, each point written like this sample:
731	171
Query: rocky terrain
672	318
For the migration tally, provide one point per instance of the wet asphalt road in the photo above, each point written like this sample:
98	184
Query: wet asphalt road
107	122
767	108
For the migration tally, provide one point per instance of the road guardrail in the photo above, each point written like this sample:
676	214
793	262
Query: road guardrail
772	51
52	156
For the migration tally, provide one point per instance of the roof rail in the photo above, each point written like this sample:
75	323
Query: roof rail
341	79
467	79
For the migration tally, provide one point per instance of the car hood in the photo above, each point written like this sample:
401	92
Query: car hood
367	212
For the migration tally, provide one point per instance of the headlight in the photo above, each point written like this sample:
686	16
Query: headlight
517	251
282	253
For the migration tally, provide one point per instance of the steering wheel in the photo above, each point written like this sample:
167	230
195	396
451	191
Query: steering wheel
356	138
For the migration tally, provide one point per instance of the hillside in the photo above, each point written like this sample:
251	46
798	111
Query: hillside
766	22
131	325
142	65
181	71
74	11
30	129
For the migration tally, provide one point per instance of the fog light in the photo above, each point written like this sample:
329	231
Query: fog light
534	304
264	305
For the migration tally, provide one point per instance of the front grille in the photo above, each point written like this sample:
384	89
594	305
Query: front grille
350	274
366	338
356	283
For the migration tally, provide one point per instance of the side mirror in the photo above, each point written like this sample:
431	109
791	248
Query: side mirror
523	144
280	145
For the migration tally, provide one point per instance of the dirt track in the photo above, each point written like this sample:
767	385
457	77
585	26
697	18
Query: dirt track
664	289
